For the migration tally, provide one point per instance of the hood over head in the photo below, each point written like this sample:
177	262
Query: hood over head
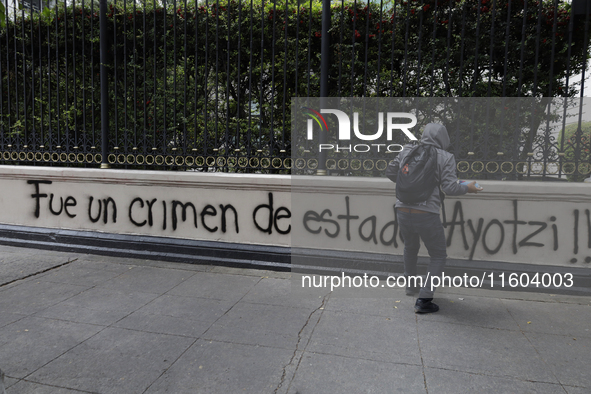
435	134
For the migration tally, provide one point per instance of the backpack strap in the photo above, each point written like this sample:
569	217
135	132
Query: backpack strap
442	198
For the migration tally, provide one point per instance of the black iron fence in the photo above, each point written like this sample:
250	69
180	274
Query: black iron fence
207	85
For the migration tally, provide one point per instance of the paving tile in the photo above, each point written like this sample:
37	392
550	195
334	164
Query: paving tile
577	390
30	343
24	387
147	280
567	357
8	318
216	286
454	382
98	306
78	275
481	350
114	361
388	307
17	267
9	382
218	367
265	325
187	316
36	295
273	291
551	317
329	374
378	338
469	310
103	263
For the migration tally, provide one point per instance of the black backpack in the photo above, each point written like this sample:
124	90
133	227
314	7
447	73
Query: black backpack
417	175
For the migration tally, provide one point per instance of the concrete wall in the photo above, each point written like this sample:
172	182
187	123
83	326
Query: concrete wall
523	222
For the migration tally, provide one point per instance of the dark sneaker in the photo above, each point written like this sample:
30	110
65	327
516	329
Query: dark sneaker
425	307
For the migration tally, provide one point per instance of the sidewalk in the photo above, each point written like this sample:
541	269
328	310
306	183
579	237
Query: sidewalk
72	323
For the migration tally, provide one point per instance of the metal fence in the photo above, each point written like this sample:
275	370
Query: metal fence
207	85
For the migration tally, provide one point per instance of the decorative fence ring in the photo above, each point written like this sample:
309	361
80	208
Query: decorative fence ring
331	164
366	166
22	156
46	156
276	162
112	158
140	159
584	168
569	164
312	164
355	164
179	160
511	167
463	166
536	168
300	164
6	155
80	158
121	159
287	163
150	160
210	161
130	159
343	164
243	161
63	157
496	167
552	167
381	165
98	158
30	156
159	160
231	162
221	161
265	162
72	157
55	157
169	160
479	163
189	160
521	164
38	156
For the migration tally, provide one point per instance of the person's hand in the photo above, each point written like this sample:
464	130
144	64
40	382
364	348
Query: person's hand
473	189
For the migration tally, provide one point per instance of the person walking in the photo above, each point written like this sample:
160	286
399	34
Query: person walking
419	219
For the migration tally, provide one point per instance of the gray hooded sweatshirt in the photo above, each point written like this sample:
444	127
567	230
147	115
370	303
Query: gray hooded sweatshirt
436	135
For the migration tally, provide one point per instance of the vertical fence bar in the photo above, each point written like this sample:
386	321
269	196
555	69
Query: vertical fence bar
324	70
185	55
227	132
104	84
421	12
93	145
249	133
435	15
24	72
238	147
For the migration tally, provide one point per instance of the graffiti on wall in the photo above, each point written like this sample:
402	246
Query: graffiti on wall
267	217
508	232
491	235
